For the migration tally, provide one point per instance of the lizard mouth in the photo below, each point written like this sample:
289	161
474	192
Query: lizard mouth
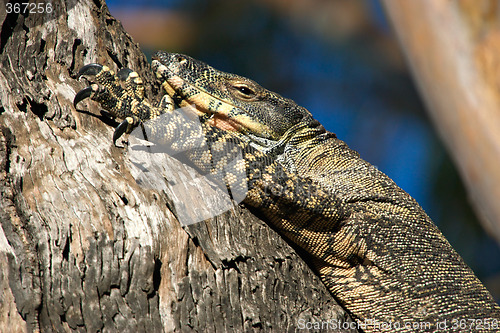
198	102
189	96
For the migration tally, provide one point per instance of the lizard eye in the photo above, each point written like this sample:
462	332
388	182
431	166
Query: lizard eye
244	91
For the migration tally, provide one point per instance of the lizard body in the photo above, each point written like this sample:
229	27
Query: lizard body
372	245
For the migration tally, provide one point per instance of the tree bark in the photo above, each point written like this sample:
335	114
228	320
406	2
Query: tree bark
85	247
453	50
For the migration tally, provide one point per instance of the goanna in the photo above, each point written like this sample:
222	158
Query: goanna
372	245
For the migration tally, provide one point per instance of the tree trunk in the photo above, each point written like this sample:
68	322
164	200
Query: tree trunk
453	48
85	247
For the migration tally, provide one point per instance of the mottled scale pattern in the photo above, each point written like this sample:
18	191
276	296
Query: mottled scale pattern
372	245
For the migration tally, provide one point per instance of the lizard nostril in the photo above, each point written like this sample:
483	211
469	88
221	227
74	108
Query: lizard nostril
181	60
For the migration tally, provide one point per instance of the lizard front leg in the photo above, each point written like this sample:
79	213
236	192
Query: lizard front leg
122	96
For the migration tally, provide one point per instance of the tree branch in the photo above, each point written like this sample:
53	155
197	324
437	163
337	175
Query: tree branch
452	48
83	246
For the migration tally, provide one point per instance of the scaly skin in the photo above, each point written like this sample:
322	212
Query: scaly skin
372	245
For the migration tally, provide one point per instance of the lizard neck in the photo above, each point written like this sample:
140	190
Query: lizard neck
303	136
307	132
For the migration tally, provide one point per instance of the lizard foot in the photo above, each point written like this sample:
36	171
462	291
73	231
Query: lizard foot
121	95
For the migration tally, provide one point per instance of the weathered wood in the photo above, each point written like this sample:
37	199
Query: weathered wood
453	51
83	246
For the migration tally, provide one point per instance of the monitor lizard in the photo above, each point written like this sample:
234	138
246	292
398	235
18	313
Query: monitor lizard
373	246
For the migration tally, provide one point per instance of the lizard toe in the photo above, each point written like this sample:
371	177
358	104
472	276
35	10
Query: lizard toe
133	82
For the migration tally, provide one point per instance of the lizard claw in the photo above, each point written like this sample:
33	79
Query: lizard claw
124	73
125	126
82	94
90	69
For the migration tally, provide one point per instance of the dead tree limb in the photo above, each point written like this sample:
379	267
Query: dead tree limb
83	247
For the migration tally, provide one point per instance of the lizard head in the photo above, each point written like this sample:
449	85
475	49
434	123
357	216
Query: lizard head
233	103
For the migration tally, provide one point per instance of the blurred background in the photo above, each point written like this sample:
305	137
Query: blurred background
341	61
